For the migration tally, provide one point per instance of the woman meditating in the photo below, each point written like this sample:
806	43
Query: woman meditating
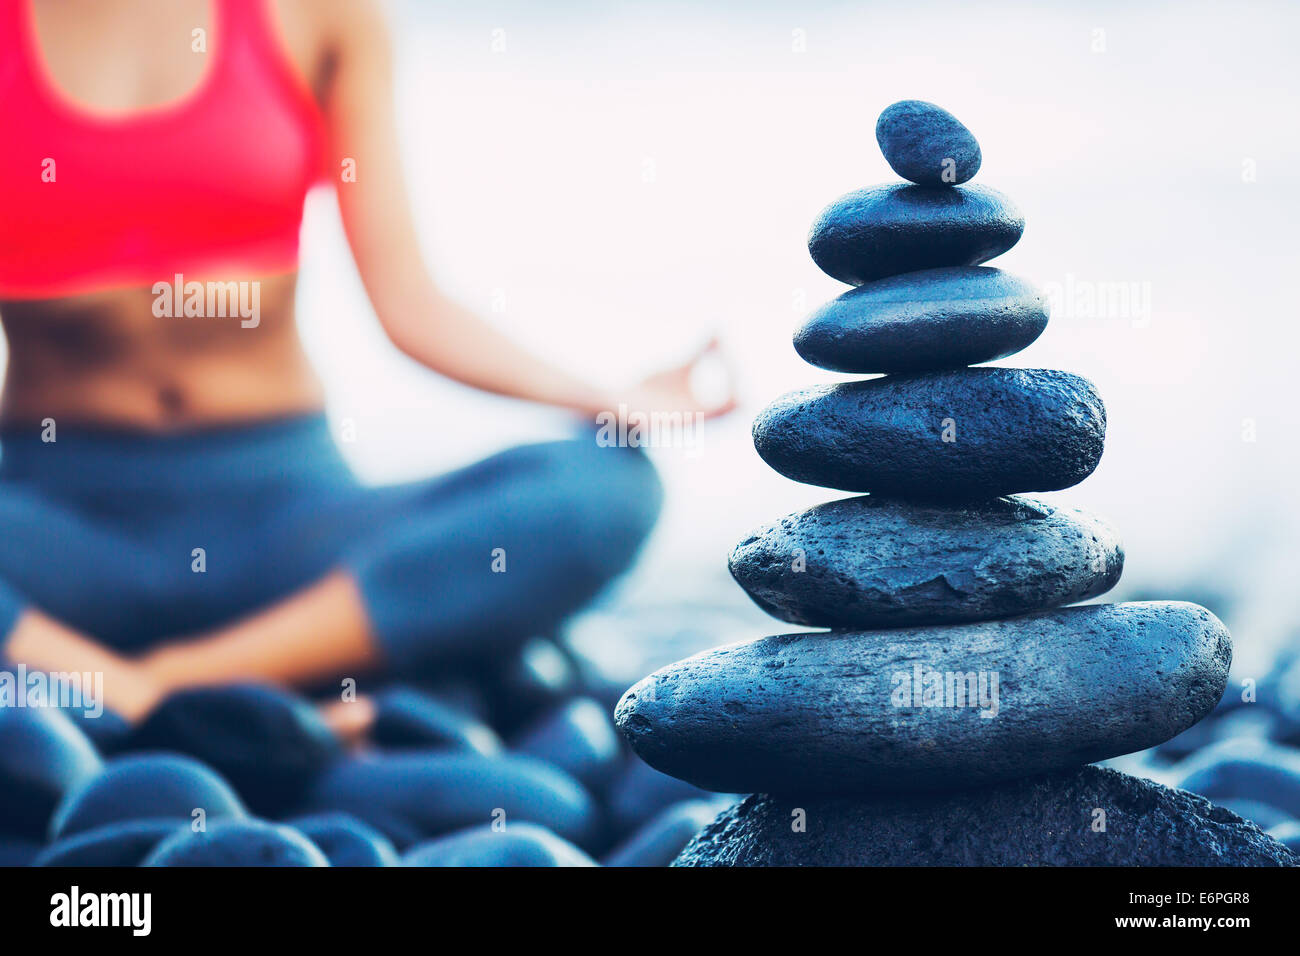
173	510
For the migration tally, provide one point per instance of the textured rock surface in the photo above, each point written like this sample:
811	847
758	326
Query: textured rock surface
1263	815
922	321
877	562
841	711
1009	430
881	231
1044	821
927	144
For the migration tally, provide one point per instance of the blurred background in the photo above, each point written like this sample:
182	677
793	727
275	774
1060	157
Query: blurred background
613	182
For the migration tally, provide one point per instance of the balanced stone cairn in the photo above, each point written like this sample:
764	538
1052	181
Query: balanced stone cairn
948	714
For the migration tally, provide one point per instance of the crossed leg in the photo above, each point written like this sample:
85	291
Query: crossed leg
409	575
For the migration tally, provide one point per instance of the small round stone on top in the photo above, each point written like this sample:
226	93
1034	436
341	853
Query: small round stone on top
926	144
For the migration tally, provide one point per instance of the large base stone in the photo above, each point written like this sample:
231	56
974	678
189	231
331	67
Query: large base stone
1044	821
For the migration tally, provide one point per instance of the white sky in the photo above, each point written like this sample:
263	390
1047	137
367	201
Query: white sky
529	171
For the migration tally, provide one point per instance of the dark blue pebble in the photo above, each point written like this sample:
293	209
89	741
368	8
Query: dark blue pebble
882	231
641	792
1281	694
1225	723
1244	769
397	830
116	844
107	730
269	743
1011	430
922	321
141	787
15	851
660	841
346	840
537	678
579	738
518	845
436	793
237	843
42	756
459	693
405	717
927	144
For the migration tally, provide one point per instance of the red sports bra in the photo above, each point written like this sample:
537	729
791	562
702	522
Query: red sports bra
212	185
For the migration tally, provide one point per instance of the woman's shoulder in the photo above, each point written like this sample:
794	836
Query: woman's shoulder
331	21
318	33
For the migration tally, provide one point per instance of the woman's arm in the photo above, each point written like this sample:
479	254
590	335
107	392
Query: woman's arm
418	318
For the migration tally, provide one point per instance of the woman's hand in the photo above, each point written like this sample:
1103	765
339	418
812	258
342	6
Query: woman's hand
672	391
419	319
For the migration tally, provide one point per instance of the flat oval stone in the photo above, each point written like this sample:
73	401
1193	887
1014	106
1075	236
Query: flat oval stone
927	144
884	230
930	708
922	321
971	433
879	562
1041	821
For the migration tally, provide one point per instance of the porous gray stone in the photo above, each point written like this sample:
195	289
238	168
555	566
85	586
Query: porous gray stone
881	231
927	144
880	562
930	708
1043	821
923	321
972	433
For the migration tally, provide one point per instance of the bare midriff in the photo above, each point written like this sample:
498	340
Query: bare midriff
109	358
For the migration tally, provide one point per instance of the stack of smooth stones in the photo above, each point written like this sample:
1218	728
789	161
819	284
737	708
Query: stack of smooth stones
949	714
